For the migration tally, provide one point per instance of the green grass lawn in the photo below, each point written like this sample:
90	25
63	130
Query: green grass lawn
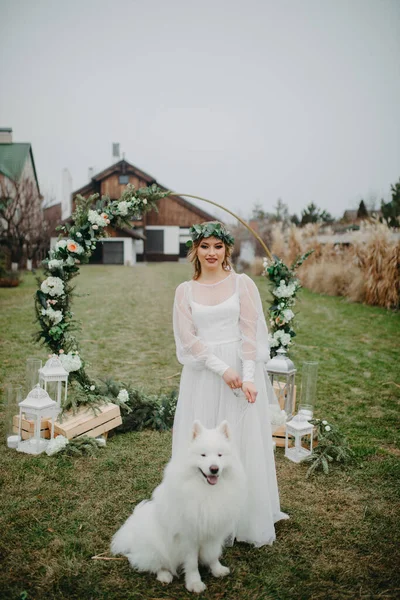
342	540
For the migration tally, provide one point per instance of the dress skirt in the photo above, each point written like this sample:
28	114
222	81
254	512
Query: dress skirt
205	396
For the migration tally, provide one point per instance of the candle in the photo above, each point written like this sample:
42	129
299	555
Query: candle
12	441
306	413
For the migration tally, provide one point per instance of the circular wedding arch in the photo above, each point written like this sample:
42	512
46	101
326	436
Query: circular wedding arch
88	223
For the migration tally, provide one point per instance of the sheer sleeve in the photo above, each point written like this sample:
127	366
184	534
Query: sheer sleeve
190	349
253	328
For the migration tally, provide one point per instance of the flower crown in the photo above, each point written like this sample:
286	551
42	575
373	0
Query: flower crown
210	230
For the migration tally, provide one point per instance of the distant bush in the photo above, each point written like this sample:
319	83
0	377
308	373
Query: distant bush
8	278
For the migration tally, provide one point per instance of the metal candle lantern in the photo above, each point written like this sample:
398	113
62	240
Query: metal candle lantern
282	373
54	375
36	405
298	429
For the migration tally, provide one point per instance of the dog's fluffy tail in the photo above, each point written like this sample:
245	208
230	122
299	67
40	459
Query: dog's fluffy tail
122	541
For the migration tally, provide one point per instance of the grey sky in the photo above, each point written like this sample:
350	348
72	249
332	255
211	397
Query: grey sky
238	101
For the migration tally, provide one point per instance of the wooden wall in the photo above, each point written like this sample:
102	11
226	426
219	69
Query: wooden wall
171	212
114	189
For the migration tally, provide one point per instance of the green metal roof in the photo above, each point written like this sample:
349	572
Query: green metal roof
12	160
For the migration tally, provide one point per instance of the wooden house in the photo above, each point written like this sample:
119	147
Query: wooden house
22	218
158	236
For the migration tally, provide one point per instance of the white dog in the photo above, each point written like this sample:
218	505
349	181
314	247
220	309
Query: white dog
191	513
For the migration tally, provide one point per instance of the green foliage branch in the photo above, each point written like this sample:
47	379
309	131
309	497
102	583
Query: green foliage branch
284	287
332	448
55	292
144	410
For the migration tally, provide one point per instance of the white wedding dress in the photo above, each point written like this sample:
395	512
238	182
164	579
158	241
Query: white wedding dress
218	326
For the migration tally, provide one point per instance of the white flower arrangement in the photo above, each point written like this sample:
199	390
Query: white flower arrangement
123	396
279	338
55	316
55	264
61	244
56	445
285	291
101	220
288	314
123	208
53	286
71	361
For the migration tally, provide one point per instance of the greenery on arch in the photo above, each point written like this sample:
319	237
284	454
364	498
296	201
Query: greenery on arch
57	325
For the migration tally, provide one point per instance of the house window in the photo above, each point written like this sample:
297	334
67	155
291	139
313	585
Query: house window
123	179
155	240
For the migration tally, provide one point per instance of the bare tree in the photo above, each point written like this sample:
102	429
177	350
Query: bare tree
21	220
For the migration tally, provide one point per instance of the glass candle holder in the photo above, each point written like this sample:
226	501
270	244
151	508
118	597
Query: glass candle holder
308	392
32	373
12	398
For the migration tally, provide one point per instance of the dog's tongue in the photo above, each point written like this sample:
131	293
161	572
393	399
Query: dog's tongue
212	479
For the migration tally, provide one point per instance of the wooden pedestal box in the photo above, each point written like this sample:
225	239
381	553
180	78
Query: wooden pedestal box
28	428
86	422
279	434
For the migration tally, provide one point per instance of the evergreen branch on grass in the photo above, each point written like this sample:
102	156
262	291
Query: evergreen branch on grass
332	448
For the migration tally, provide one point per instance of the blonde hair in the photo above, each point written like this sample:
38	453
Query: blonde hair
192	254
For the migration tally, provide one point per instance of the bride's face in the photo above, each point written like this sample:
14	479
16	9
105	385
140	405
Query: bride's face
211	253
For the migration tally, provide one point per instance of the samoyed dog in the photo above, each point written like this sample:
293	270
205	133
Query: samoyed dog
190	514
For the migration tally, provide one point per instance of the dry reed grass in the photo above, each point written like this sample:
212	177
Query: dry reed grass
366	271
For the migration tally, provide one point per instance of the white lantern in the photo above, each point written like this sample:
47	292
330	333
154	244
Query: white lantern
301	431
53	375
282	374
36	405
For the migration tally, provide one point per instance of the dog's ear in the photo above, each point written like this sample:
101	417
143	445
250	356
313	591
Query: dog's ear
197	429
225	429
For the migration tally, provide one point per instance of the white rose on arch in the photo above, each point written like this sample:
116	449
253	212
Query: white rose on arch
53	286
61	244
55	316
70	361
95	219
288	314
55	263
123	208
280	338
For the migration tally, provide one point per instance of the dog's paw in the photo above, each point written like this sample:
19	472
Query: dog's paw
220	571
164	576
195	586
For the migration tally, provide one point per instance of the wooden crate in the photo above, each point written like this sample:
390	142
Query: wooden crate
86	422
279	434
28	428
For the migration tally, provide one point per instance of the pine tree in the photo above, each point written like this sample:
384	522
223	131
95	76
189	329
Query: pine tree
362	212
391	210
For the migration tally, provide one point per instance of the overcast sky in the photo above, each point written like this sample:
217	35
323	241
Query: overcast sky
239	101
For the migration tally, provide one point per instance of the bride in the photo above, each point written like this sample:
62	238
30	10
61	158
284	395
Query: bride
222	341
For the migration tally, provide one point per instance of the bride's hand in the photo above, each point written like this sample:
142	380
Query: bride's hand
250	391
232	379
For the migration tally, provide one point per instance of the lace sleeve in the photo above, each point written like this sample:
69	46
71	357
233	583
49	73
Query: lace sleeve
253	328
190	349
